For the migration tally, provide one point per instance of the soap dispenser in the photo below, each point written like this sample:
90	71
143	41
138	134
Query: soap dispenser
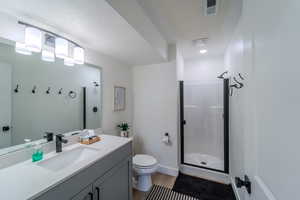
37	153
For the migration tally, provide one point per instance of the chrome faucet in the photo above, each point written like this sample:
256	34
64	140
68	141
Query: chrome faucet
59	140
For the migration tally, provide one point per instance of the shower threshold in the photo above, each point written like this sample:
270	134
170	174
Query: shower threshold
204	160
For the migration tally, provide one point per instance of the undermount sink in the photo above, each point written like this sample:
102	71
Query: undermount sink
68	157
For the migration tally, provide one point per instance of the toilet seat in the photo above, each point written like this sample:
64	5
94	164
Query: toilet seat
143	161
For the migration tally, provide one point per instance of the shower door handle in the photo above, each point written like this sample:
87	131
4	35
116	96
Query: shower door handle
183	122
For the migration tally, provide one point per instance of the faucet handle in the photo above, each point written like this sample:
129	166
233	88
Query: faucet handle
60	137
49	136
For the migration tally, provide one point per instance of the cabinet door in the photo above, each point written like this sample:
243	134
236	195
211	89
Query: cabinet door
86	194
116	184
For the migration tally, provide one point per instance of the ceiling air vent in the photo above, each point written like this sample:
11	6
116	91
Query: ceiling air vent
210	7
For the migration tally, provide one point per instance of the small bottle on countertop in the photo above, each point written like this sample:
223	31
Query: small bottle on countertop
37	153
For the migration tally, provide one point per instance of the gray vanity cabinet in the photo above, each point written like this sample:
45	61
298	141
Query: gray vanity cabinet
115	185
107	179
86	194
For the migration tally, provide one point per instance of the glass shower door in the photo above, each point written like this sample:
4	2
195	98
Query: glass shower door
203	138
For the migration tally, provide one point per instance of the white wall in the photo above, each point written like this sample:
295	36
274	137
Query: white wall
179	64
114	73
205	68
155	113
264	118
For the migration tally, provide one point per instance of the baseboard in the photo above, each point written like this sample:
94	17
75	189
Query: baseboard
235	189
261	190
168	170
205	174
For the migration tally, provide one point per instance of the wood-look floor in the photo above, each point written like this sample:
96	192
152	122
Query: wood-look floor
158	179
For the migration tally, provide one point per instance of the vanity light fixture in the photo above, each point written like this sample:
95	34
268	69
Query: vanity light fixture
79	55
33	39
21	48
61	47
48	48
203	51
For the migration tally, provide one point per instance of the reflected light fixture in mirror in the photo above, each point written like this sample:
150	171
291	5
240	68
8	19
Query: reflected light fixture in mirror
48	55
69	61
203	51
79	55
61	48
21	48
48	48
33	39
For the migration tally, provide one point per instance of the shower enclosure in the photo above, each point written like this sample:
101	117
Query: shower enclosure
204	124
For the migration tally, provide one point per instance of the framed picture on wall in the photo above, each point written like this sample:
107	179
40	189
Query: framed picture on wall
119	98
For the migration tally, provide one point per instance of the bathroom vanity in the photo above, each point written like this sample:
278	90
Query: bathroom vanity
101	171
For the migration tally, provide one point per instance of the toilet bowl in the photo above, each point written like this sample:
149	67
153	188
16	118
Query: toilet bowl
144	166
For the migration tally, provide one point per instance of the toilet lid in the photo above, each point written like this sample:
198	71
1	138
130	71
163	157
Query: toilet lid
144	160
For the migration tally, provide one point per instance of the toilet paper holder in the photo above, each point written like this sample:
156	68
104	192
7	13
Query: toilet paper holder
166	138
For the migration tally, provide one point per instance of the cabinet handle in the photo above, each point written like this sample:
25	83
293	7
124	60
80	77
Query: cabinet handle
91	195
98	193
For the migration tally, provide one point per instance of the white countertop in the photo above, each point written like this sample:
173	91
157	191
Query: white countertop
27	180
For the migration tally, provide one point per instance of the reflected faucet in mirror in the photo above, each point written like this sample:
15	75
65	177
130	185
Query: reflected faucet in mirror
49	136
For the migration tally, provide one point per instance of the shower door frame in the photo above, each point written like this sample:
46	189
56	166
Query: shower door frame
226	127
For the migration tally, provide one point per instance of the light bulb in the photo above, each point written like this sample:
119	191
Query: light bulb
61	48
203	51
79	55
33	39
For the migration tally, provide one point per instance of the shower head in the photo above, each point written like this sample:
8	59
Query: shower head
222	75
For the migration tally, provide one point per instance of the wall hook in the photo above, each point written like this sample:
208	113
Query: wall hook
240	84
96	84
60	91
72	94
235	86
231	91
221	76
33	90
17	89
241	77
48	91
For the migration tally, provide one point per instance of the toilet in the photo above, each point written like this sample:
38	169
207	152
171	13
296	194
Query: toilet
144	166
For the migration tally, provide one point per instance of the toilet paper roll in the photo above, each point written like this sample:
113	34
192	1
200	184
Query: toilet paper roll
166	139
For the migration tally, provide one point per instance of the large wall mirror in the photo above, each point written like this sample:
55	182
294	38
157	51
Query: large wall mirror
38	97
